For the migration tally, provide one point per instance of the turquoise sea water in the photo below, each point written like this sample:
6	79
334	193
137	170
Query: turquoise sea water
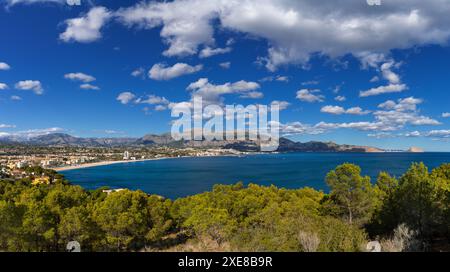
180	177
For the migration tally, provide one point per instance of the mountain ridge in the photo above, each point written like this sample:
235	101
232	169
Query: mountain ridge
285	145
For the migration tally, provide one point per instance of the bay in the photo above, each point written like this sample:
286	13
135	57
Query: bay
179	177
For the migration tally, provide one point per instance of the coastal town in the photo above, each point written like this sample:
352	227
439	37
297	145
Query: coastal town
14	159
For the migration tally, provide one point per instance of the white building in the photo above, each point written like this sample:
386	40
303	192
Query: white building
21	164
126	155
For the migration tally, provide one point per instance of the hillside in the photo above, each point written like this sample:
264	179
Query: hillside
286	145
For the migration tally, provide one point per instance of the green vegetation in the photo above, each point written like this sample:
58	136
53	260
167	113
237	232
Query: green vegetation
408	213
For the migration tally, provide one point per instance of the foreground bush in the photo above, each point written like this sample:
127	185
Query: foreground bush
405	214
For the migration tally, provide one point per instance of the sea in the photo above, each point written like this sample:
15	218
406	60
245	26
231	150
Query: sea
180	177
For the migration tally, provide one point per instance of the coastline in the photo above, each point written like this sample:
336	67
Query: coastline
102	163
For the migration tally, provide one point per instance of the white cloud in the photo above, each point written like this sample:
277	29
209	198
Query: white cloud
282	105
225	65
16	98
406	104
413	134
310	96
391	88
212	94
294	128
15	2
185	24
282	78
340	110
138	72
433	134
357	111
333	109
209	52
160	108
387	73
30	85
79	77
252	95
277	78
160	71
362	126
4	66
331	29
152	100
375	79
396	116
438	133
381	135
340	98
311	82
86	28
3	86
394	82
125	97
88	86
446	114
7	126
402	113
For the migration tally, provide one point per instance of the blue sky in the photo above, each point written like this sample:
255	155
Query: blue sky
349	73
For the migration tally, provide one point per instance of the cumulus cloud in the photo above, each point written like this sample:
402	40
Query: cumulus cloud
340	110
252	95
406	104
394	116
294	128
160	107
3	86
7	126
375	79
209	52
212	94
276	78
394	82
403	112
160	71
333	109
225	65
433	133
311	82
88	86
138	72
30	85
16	98
185	24
310	96
296	29
79	77
125	97
15	2
86	28
391	88
4	66
381	135
446	114
357	111
340	98
282	105
152	100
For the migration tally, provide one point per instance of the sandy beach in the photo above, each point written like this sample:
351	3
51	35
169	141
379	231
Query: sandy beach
94	164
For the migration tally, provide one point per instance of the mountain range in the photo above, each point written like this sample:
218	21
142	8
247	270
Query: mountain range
285	145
